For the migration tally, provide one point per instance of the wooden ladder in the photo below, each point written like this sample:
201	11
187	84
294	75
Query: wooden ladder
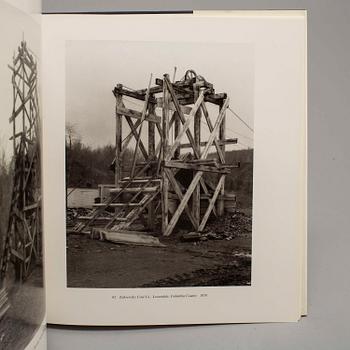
146	191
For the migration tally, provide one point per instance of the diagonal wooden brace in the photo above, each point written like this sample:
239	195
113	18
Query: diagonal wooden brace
169	229
180	114
211	205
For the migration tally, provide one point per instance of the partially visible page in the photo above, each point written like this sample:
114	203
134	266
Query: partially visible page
243	266
22	296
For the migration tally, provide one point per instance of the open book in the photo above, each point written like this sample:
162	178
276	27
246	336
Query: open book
154	166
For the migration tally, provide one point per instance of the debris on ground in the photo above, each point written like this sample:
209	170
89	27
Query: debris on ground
73	215
127	237
229	226
226	227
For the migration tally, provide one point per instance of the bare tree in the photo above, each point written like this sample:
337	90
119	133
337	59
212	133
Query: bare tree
71	134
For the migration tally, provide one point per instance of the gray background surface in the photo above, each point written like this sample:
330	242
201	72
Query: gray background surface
327	326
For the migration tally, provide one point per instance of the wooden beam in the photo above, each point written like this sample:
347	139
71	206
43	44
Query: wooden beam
118	141
151	117
133	94
176	132
152	156
198	167
196	196
231	141
222	136
165	141
211	203
216	98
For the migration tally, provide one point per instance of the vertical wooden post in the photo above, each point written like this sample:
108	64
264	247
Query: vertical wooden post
196	197
165	142
151	155
222	138
177	127
118	139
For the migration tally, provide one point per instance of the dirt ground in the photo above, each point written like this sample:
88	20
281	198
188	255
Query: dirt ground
25	314
222	258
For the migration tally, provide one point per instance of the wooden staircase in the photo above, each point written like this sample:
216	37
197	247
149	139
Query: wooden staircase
126	202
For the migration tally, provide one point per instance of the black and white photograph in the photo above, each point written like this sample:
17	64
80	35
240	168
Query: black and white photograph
22	305
159	164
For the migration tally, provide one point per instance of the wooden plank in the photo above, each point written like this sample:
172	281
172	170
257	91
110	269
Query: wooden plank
216	98
134	189
211	203
128	237
150	117
31	207
133	94
117	205
197	167
217	143
139	179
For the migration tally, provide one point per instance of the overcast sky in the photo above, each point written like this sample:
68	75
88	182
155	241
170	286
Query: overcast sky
14	25
95	67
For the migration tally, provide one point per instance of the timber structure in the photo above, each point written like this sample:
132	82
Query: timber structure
166	137
23	240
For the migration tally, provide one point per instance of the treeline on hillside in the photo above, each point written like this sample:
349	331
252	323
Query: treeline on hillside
87	167
6	178
240	181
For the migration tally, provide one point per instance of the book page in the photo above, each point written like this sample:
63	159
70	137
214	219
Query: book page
22	296
174	167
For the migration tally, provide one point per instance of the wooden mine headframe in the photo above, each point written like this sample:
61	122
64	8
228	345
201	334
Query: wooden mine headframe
23	240
154	180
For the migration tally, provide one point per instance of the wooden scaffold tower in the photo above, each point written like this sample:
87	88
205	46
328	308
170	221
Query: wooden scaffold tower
23	240
153	181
